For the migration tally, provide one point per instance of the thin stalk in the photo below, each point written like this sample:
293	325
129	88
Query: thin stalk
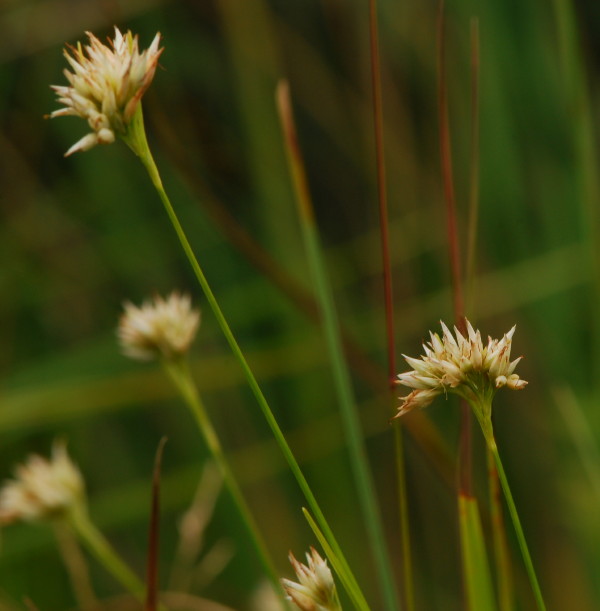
491	442
465	451
136	140
105	554
474	169
179	373
76	566
367	495
501	552
408	590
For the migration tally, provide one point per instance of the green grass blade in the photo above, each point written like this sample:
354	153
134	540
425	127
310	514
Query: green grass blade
478	583
347	579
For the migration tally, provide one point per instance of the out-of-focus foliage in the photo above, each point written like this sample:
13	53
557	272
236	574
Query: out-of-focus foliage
79	236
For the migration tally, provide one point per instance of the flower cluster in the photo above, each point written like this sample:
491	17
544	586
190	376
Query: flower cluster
460	364
316	588
42	488
106	85
160	328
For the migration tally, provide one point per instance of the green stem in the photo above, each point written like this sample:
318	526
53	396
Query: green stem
179	373
516	523
104	553
501	553
367	495
76	566
136	140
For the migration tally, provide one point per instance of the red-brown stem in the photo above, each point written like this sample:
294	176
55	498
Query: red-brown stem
474	178
151	603
464	476
381	190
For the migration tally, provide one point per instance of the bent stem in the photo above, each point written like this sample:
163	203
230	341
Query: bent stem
483	413
104	553
136	140
180	374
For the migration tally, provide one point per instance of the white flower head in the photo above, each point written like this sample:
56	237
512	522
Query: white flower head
315	589
459	364
42	488
107	83
162	328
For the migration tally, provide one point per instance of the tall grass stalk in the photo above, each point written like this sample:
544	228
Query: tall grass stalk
95	541
367	495
408	589
136	140
179	372
483	412
500	543
76	566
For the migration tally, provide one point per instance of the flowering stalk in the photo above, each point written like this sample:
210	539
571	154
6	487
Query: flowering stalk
136	140
104	553
179	373
114	71
54	490
463	365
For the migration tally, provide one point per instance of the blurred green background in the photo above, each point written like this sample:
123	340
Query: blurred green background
78	236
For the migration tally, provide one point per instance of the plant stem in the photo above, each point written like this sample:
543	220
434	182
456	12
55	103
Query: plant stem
367	495
136	140
501	552
516	523
76	566
408	589
180	374
105	554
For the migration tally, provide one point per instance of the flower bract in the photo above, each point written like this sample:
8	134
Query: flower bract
461	364
106	84
161	328
42	488
315	589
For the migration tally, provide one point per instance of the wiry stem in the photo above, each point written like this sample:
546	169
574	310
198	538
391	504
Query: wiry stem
179	373
408	589
136	140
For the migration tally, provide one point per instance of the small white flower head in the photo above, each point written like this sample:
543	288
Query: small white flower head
107	83
161	328
315	589
459	364
42	488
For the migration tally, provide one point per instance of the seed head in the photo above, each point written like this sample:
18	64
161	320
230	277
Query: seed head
316	588
106	85
162	328
462	365
42	488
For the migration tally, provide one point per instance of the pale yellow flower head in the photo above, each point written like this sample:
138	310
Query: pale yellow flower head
107	83
161	328
42	488
315	589
459	364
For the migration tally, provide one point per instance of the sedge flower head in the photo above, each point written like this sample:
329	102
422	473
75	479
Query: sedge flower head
161	328
42	488
315	589
106	85
461	364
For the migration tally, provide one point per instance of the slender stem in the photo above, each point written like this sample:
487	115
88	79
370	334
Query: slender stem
179	373
501	552
367	495
408	590
465	451
474	168
76	566
516	523
105	554
136	140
